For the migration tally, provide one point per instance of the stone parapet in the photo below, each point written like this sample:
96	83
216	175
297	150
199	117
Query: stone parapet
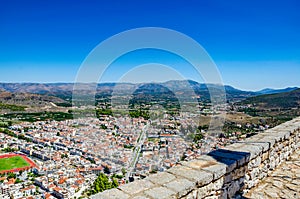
224	173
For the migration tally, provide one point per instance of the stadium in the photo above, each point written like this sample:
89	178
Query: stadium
15	162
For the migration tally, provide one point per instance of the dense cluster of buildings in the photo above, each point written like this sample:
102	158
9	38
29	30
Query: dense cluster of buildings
70	154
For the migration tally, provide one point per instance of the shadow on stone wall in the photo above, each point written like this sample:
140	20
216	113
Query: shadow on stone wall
236	167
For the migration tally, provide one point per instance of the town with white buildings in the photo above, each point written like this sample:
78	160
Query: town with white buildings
70	154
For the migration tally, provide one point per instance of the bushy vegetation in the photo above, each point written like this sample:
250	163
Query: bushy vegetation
10	133
198	137
249	111
102	183
12	107
139	113
64	104
11	175
40	116
102	126
230	128
105	111
128	146
278	100
8	149
5	124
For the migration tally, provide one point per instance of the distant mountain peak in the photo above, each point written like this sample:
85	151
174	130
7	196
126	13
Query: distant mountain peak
274	91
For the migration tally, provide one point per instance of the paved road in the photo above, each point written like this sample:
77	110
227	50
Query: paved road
137	150
284	182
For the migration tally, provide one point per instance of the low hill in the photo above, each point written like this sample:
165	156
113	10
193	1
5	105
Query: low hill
274	91
285	100
18	102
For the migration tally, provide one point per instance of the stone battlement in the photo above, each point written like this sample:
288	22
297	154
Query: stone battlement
223	173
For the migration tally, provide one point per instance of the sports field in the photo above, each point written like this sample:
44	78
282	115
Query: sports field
13	162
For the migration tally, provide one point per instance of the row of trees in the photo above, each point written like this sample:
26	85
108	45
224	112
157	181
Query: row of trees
8	149
12	107
10	133
5	123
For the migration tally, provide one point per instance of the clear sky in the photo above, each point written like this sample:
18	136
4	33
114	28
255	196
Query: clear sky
255	44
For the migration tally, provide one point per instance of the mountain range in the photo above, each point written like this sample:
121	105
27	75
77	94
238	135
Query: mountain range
274	91
284	100
62	92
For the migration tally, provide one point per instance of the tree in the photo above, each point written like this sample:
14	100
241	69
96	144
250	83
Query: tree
103	183
11	175
102	126
114	183
64	156
198	137
123	171
18	181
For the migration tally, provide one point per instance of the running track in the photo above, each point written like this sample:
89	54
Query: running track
29	161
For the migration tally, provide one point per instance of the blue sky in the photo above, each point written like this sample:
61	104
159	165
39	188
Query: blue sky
255	44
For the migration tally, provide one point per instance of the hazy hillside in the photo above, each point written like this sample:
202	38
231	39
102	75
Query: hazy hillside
274	91
11	102
64	90
289	99
184	88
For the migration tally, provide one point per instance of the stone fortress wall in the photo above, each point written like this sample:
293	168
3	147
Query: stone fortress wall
224	173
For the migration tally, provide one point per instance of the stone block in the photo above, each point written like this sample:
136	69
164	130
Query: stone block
161	178
218	184
161	193
254	173
223	193
260	141
196	176
240	172
212	197
253	150
277	135
255	162
233	188
211	189
265	156
181	185
192	195
270	139
199	163
223	155
137	186
265	145
230	164
140	197
228	178
203	191
111	194
217	170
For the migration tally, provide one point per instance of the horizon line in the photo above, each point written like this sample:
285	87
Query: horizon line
114	82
